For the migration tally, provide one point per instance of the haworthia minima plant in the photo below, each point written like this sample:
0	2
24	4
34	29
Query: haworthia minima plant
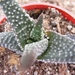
19	19
8	40
28	37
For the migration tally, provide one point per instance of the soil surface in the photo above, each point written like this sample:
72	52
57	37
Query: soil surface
10	61
53	20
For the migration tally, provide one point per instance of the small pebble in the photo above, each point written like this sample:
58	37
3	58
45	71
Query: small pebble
27	73
53	10
32	67
73	30
35	73
50	69
69	27
53	24
5	71
48	73
37	68
54	29
8	56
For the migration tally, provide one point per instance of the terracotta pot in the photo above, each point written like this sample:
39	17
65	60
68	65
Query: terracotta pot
32	6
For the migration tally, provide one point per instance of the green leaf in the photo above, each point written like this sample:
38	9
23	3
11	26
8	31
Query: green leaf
21	22
32	51
60	49
8	40
37	30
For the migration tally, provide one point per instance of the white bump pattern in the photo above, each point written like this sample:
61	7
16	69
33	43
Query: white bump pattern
62	49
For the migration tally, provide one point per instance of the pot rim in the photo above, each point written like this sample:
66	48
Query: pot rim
31	6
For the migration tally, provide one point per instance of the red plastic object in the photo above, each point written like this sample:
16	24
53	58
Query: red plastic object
32	6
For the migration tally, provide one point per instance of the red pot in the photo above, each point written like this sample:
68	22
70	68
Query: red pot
32	6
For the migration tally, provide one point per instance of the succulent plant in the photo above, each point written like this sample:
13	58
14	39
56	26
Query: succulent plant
28	38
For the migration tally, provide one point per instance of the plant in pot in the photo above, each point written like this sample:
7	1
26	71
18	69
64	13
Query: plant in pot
28	38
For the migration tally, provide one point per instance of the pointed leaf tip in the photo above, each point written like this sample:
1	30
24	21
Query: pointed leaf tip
37	29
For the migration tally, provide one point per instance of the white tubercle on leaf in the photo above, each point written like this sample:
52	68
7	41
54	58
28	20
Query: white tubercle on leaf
32	51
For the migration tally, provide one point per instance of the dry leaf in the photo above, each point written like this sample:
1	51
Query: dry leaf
14	60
